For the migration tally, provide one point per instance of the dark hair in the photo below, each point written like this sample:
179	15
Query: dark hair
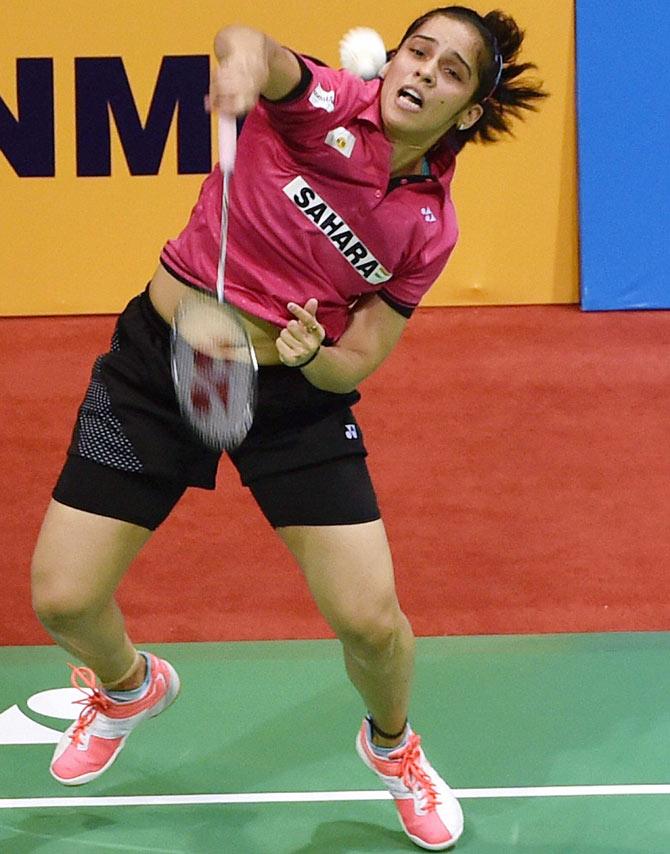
502	96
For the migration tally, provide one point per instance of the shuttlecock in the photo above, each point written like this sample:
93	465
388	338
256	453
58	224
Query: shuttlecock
362	52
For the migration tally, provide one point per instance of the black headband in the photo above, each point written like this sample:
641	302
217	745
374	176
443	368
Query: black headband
498	59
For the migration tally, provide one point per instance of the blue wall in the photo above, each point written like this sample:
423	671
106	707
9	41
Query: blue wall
623	102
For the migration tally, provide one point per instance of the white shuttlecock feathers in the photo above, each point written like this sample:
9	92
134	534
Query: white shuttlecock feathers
362	52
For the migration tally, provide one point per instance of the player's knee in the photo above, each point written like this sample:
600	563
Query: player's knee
56	604
374	630
57	610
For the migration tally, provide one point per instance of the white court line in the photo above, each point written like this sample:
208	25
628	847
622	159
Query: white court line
311	797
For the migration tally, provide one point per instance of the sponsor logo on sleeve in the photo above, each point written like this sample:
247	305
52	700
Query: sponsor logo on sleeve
341	236
322	99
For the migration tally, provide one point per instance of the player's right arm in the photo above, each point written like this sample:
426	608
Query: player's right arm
251	64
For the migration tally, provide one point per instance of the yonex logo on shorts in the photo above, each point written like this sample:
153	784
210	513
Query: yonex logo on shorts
337	231
350	431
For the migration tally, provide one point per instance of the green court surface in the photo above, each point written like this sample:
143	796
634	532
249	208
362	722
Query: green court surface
257	753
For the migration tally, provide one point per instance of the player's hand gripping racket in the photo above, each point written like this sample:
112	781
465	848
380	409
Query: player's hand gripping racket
213	361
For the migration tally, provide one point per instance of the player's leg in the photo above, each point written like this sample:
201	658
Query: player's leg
123	475
78	562
313	486
327	514
349	571
129	462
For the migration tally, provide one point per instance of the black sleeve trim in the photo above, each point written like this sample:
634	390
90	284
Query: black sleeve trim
405	310
299	90
181	279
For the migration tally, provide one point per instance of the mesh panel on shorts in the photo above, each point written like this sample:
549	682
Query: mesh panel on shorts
100	435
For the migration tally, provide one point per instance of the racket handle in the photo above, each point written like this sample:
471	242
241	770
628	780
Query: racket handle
227	143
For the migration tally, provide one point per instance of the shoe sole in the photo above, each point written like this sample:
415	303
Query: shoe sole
171	695
366	761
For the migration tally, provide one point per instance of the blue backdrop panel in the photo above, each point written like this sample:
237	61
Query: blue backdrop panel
623	102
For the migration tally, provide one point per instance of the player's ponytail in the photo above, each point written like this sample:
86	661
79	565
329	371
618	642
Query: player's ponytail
508	96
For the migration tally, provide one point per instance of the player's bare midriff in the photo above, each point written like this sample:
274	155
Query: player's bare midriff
166	292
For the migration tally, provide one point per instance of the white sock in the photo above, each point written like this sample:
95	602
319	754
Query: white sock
133	693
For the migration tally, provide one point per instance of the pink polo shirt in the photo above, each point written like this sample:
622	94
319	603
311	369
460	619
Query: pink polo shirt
314	212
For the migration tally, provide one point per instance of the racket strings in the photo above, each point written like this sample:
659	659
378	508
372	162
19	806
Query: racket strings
215	372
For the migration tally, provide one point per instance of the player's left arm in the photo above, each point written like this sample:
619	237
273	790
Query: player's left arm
373	332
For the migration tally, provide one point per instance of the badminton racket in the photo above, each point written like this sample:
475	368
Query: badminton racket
214	366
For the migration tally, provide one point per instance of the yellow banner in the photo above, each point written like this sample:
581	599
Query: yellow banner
104	143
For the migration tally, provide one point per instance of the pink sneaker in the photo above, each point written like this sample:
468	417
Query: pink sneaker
91	744
428	811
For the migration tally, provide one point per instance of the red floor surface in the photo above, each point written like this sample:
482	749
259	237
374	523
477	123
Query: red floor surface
522	461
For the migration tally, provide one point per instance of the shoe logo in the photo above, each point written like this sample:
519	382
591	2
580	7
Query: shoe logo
351	431
322	99
428	215
341	140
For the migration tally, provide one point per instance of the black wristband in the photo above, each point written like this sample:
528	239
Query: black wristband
311	359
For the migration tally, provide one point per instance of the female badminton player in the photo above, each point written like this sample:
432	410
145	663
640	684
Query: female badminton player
340	219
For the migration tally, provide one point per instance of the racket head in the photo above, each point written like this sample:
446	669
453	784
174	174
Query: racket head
214	369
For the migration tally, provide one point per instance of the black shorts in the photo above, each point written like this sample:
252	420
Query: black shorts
132	455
